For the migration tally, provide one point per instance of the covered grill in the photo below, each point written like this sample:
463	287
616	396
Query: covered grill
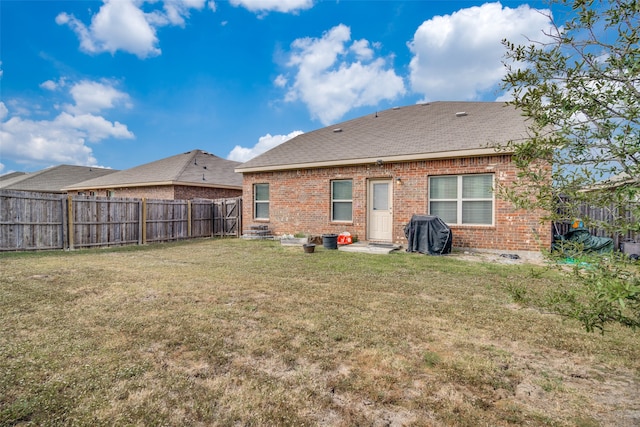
428	234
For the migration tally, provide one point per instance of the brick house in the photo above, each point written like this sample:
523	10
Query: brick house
195	174
369	175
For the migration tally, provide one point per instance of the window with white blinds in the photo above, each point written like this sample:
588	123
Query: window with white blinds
261	201
462	199
342	200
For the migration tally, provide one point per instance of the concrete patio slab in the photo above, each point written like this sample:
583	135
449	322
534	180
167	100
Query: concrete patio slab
370	248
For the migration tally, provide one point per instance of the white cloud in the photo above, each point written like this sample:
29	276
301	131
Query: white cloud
285	6
53	85
265	143
123	25
177	11
459	56
92	97
280	81
92	128
331	82
119	25
65	138
49	85
62	140
362	50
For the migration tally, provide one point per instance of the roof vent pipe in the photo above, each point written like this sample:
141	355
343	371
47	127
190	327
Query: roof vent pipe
461	114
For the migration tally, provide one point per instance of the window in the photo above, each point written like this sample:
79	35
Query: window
341	200
261	201
462	199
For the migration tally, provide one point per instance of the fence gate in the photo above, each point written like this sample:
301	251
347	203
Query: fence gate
227	217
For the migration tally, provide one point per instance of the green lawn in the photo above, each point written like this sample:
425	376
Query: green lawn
250	333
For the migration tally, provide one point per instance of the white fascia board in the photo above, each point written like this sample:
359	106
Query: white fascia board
479	152
152	184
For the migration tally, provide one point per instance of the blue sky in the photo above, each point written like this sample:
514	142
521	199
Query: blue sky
124	82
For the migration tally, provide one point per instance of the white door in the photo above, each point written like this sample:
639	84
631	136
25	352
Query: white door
380	210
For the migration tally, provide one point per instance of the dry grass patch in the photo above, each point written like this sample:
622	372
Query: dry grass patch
232	332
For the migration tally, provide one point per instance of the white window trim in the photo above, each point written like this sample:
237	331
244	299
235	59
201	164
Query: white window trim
256	202
341	201
460	199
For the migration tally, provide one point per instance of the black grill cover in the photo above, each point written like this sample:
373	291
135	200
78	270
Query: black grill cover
428	234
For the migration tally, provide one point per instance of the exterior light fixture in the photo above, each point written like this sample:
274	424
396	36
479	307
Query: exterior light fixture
398	181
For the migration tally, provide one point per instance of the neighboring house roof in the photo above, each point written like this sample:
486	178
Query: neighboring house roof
622	178
11	175
415	132
615	181
193	168
53	179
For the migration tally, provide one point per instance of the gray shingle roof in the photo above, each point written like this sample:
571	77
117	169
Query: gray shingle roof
421	131
54	179
182	169
12	176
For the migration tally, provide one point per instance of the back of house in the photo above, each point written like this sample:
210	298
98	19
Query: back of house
369	175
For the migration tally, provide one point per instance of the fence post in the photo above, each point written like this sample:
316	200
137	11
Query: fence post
64	222
70	220
189	212
140	222
213	224
239	221
143	220
213	218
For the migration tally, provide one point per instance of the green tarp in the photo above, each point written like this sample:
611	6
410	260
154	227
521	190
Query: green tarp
580	240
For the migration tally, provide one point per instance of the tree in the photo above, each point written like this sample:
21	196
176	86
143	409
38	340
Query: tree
580	87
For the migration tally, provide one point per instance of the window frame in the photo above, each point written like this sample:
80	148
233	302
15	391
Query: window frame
343	201
460	199
256	202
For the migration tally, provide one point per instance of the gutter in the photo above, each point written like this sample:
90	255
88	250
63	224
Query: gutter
149	184
479	152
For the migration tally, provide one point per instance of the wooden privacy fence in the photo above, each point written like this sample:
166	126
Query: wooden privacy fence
36	221
32	221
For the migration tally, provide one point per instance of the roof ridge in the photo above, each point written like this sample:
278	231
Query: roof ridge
186	163
29	175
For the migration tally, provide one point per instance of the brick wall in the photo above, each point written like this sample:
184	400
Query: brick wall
164	192
168	192
300	201
183	192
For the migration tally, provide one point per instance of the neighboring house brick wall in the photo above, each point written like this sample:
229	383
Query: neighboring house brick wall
164	192
300	202
183	192
168	192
